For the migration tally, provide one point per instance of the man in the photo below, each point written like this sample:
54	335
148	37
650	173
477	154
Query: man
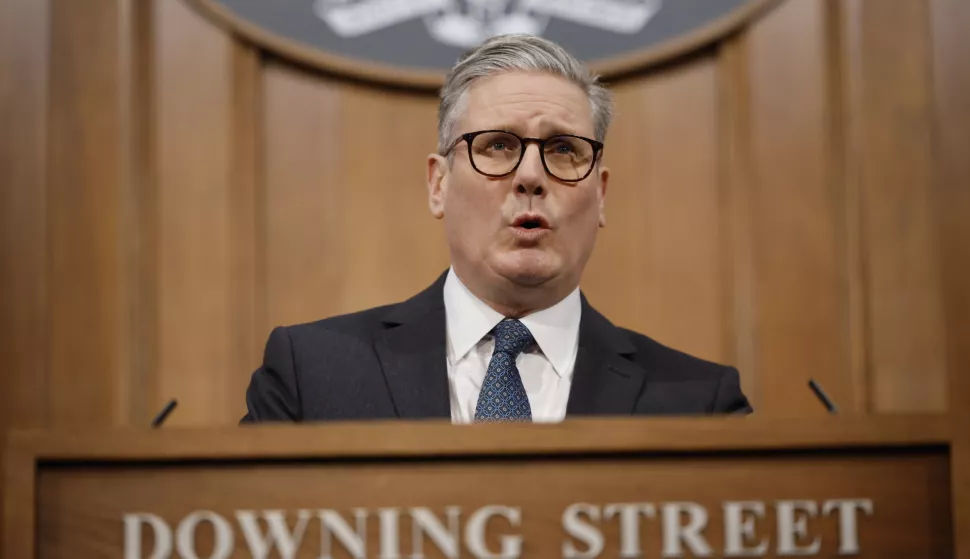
504	334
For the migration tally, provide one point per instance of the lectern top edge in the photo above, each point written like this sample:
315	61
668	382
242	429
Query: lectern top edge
436	438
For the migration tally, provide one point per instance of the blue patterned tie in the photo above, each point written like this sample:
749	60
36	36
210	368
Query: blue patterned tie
503	397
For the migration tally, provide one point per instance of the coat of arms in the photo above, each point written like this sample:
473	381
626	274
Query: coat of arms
466	23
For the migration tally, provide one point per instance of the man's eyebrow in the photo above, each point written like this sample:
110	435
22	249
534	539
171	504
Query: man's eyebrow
552	130
559	131
506	127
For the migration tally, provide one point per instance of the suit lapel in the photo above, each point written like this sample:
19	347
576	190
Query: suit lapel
411	349
605	381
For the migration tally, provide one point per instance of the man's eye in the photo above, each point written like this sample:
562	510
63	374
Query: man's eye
562	149
497	146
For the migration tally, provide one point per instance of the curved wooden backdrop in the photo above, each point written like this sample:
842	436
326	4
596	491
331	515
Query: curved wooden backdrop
793	200
414	78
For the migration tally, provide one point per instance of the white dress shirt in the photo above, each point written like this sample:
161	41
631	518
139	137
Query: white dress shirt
546	368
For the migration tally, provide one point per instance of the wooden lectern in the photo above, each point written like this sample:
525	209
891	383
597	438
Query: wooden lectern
894	487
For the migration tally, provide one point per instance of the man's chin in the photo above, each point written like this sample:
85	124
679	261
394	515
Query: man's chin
529	278
525	271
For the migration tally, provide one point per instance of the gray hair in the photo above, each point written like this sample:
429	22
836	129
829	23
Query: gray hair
518	52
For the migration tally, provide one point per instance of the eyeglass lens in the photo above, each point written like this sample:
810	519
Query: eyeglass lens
566	157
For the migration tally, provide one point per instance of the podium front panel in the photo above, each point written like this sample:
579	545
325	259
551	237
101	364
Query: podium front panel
872	498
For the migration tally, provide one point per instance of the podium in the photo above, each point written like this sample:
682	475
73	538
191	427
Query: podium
893	487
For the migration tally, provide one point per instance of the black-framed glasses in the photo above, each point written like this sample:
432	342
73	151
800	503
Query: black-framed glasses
497	153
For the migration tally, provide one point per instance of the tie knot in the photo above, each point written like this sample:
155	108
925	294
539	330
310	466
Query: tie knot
512	337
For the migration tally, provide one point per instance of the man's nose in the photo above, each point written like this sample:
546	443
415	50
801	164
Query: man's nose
530	177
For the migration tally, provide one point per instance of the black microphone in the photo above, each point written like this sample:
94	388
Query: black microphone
162	415
826	401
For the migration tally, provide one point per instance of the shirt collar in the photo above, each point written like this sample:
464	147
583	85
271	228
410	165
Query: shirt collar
469	319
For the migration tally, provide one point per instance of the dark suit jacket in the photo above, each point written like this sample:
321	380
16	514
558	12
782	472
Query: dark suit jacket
389	362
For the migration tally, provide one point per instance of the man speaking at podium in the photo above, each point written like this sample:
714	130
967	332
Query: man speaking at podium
505	334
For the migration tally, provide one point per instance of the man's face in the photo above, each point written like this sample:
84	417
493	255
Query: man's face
490	222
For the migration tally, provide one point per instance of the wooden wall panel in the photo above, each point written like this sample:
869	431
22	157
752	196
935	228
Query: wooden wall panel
951	80
24	51
139	220
618	264
799	276
396	247
194	109
846	95
893	110
950	21
657	267
24	310
302	275
246	229
737	238
87	281
347	220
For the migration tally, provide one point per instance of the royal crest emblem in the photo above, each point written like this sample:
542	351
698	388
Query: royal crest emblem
466	23
415	42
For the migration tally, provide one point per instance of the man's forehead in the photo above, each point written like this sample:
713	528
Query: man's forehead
517	97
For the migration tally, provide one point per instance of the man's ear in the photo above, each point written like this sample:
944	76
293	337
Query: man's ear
604	173
437	171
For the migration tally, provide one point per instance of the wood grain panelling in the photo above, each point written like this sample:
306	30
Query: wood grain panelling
894	112
137	61
87	281
951	78
951	81
618	261
737	240
24	40
799	275
398	248
843	18
347	219
246	249
302	275
194	77
657	268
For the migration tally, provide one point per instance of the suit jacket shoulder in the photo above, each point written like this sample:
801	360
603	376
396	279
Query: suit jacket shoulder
361	325
349	366
389	362
670	367
670	362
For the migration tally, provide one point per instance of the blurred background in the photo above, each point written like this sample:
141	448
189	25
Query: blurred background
790	195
